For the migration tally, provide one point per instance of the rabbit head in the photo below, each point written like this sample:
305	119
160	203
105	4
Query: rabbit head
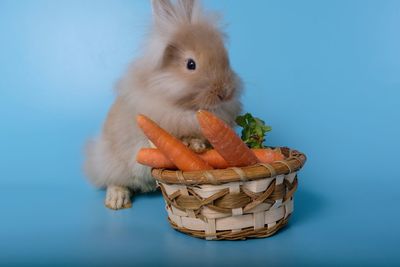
186	61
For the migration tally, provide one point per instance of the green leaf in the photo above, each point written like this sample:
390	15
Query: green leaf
248	116
246	133
258	130
241	121
266	128
253	130
259	122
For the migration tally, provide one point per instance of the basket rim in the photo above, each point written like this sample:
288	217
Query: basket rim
293	162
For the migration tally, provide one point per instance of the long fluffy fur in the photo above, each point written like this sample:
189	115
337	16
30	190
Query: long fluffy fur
148	89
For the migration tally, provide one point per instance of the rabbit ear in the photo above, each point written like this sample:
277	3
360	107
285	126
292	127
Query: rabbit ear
163	11
186	8
184	11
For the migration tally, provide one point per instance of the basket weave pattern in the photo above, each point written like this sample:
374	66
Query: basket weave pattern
234	203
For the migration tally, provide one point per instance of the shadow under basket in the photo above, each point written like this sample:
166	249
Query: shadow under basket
233	203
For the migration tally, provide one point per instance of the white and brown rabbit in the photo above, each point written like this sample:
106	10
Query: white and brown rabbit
184	67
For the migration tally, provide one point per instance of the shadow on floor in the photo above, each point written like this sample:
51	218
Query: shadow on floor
154	194
307	205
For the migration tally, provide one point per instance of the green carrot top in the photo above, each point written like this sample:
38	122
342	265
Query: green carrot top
254	130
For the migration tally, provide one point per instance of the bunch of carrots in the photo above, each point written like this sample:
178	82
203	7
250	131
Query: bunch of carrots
229	149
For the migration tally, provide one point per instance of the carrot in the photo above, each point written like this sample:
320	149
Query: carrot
267	155
213	158
155	158
225	140
175	150
264	155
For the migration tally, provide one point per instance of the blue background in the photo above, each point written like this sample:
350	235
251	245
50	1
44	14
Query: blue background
324	74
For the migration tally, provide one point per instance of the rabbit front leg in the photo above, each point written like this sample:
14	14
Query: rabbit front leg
118	197
196	144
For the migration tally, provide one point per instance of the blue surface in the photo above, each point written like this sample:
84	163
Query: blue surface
324	74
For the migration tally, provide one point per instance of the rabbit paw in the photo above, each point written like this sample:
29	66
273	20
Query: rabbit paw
118	197
195	144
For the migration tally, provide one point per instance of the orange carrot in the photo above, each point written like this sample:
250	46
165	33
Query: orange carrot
155	158
225	140
213	158
267	155
175	150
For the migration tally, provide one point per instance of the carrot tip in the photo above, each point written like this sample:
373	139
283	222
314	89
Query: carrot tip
139	118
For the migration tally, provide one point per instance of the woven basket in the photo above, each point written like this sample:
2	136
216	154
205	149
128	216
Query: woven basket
234	203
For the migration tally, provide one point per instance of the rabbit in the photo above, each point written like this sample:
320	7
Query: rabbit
183	67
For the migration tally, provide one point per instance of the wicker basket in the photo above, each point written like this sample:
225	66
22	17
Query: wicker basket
234	203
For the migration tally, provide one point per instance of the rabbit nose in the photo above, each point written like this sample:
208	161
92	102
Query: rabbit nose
221	95
219	91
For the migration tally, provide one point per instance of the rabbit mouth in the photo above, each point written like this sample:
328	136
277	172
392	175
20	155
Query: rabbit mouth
221	95
210	100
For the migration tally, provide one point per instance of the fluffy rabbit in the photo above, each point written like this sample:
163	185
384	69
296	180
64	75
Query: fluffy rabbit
184	67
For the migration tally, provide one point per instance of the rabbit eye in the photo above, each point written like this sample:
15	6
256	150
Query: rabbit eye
191	65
